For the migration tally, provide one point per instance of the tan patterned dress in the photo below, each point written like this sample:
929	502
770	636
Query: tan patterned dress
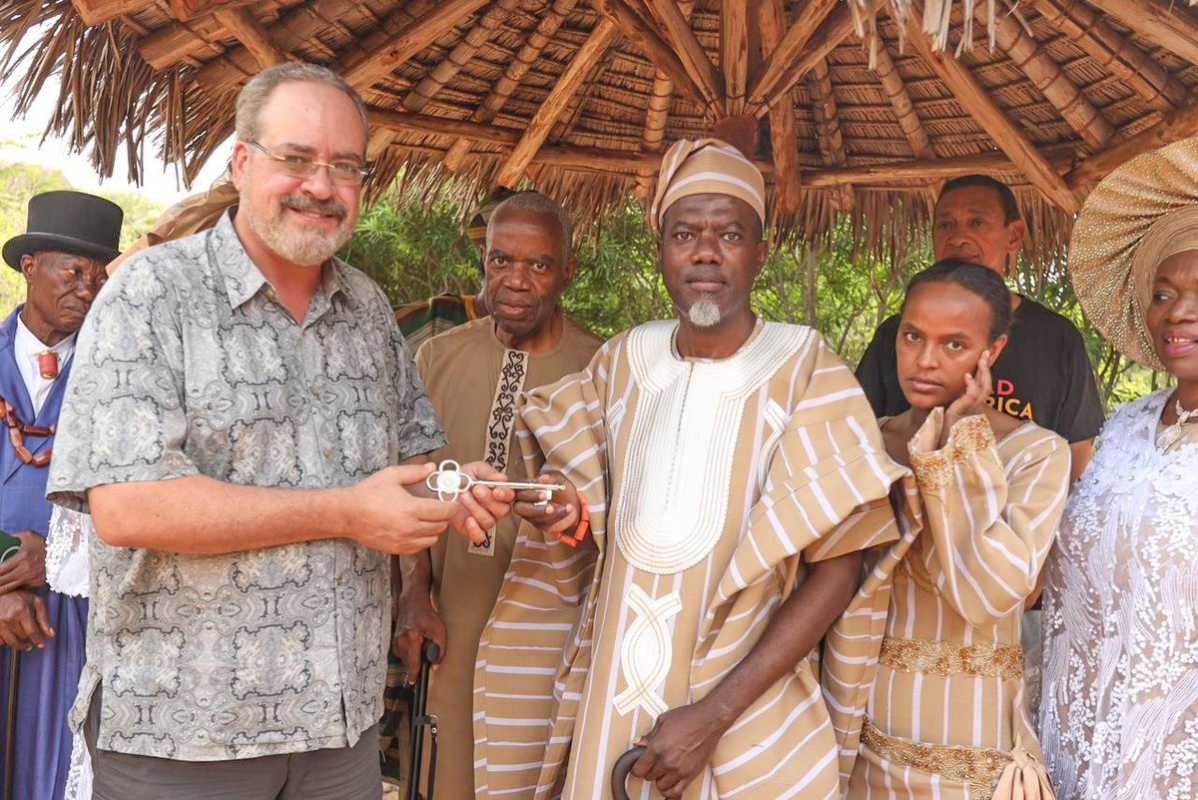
945	716
716	481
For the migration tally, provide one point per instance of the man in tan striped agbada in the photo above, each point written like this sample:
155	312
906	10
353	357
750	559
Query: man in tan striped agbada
732	476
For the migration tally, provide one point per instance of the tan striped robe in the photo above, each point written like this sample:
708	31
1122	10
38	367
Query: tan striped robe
946	709
717	480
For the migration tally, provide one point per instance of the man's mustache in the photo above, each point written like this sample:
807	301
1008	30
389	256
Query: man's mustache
301	203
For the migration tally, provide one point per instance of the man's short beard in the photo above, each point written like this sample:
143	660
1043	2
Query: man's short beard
306	248
704	313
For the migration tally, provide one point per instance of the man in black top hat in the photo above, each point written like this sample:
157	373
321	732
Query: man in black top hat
70	238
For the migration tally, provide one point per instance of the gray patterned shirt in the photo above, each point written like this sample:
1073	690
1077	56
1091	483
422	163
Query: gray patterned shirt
188	365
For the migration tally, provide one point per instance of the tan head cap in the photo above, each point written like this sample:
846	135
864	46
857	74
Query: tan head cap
706	166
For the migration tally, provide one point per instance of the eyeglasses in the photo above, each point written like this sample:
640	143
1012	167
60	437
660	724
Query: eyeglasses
346	173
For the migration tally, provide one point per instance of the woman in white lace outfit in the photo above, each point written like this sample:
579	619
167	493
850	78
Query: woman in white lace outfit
67	573
1119	713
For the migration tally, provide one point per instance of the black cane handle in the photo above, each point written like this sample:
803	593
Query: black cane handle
619	773
430	651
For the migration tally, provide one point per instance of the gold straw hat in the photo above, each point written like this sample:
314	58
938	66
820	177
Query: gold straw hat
1139	215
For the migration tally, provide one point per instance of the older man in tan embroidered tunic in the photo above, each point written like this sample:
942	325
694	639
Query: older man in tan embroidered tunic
733	473
475	375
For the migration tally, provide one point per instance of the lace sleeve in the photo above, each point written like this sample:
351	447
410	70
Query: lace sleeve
66	551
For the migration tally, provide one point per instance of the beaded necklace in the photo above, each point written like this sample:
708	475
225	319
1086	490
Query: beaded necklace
17	431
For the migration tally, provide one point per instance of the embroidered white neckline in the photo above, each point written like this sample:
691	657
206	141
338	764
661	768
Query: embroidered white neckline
673	501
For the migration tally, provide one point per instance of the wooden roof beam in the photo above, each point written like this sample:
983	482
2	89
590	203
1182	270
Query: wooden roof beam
97	12
835	28
631	161
784	135
587	57
255	38
1177	124
791	45
1047	76
656	117
551	20
422	93
292	30
694	58
660	52
734	55
382	51
976	101
1169	26
900	101
1078	23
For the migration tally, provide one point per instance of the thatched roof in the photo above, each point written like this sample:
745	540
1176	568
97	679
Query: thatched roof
854	111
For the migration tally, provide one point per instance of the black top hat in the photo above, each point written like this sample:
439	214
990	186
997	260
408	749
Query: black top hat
68	222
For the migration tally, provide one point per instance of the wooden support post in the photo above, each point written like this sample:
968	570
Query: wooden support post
570	82
690	52
1047	76
784	135
1168	25
385	51
1176	125
515	72
975	99
252	35
734	54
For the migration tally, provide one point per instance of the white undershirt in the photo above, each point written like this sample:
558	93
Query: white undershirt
26	346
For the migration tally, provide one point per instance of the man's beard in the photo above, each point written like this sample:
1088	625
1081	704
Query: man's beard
305	247
704	313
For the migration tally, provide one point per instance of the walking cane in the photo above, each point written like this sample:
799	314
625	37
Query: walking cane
619	773
430	654
10	722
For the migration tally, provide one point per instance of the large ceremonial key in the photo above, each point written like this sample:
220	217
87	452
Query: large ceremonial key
449	481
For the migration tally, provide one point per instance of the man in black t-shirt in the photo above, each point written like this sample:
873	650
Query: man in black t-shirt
1044	373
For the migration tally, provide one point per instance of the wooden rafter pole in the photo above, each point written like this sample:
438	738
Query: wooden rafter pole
800	33
827	122
1177	124
694	58
252	35
900	101
1168	25
976	101
1047	76
97	12
571	80
292	30
1078	23
656	116
657	49
835	28
517	68
784	134
734	54
422	93
384	51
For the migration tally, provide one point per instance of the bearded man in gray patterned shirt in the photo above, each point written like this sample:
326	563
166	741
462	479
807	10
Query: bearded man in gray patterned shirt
248	429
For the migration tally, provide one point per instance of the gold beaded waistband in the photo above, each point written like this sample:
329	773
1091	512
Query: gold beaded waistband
952	658
979	767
